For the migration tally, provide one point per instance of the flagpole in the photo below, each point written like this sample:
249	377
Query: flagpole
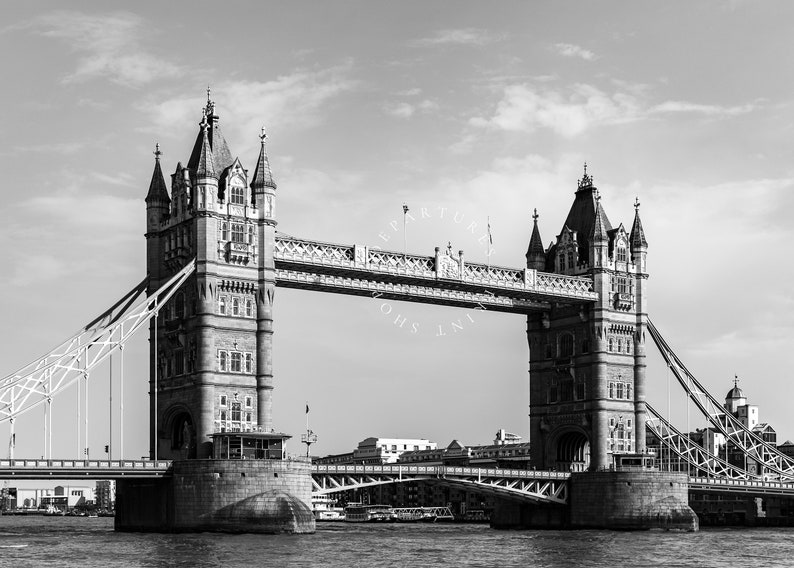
405	234
490	242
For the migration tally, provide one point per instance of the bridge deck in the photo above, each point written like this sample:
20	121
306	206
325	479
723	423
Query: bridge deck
82	469
441	279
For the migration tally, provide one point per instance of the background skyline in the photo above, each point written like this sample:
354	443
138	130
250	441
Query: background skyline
478	112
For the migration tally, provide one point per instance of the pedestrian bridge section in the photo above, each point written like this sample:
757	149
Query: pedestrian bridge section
82	469
445	278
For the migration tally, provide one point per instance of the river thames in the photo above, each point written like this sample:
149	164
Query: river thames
91	542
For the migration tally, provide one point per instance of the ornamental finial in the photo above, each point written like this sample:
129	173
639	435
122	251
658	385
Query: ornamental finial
535	215
587	180
636	203
157	153
209	100
263	135
735	381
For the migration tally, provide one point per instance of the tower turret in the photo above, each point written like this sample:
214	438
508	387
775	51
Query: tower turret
536	255
157	199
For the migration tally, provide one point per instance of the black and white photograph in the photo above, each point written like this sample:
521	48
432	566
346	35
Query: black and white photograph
353	283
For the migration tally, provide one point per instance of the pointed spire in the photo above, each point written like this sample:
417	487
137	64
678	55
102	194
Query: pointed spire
587	181
536	254
206	164
637	237
263	177
157	187
598	233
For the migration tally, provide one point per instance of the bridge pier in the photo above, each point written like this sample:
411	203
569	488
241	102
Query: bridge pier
251	496
618	500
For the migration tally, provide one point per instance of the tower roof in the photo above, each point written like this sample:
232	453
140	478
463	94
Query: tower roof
221	156
263	176
582	215
637	236
535	248
735	392
205	166
157	187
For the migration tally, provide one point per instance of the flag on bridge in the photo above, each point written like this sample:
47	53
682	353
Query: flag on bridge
490	238
307	408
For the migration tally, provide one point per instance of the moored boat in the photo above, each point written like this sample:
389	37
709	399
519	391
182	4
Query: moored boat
324	509
369	514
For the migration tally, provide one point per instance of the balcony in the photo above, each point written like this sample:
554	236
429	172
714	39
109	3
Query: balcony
623	301
238	253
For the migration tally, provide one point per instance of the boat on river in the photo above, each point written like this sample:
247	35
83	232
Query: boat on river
324	509
359	513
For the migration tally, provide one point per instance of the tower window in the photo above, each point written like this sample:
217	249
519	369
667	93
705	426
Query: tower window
249	367
236	362
621	254
179	306
236	412
566	345
570	260
224	231
222	358
223	400
235	306
238	233
562	262
248	402
249	309
251	235
222	305
238	195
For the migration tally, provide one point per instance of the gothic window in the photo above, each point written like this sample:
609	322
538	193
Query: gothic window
236	412
236	362
238	234
249	309
585	346
235	306
179	362
618	390
610	344
224	231
562	262
238	195
223	415
566	345
620	346
179	306
579	391
628	392
248	417
249	367
611	390
224	365
570	260
248	402
621	254
223	400
222	305
251	235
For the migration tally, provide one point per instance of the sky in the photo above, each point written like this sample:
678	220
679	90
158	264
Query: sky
476	112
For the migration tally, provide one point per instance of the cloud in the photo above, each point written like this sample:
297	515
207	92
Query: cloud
407	110
572	50
708	110
465	36
109	45
573	110
296	99
524	108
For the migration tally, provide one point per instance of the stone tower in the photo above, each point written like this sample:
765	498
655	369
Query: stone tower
587	363
211	344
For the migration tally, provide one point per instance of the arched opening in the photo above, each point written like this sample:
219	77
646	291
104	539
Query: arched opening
183	436
573	452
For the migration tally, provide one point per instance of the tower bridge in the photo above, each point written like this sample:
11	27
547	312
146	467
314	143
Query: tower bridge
214	259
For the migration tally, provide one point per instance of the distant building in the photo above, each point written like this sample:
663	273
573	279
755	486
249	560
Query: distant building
105	495
61	496
377	451
508	451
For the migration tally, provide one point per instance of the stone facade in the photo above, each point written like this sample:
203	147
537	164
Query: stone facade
587	363
252	496
211	344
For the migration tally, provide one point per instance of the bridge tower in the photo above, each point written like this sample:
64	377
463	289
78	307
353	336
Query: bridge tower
587	363
210	347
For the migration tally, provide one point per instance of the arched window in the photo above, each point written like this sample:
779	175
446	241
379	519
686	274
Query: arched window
223	361
562	261
238	234
251	235
238	195
235	306
224	231
222	305
249	309
566	345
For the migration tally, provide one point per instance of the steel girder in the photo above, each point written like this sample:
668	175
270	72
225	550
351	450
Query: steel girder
73	359
767	456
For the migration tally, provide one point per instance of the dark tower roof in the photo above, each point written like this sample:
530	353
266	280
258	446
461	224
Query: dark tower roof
637	236
263	177
582	215
221	156
205	165
157	187
535	249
